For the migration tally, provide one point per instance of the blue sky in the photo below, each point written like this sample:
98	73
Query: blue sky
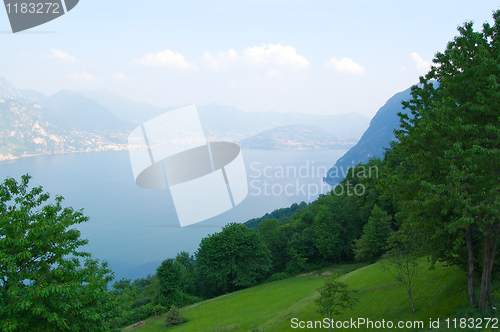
319	57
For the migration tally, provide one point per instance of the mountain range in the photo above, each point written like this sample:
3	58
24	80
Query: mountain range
32	123
296	137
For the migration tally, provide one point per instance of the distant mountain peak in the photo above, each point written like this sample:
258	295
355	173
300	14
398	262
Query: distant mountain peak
33	95
8	91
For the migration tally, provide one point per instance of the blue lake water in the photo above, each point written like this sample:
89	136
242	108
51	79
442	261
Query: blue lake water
134	229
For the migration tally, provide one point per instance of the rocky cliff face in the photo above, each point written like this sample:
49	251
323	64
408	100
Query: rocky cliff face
375	139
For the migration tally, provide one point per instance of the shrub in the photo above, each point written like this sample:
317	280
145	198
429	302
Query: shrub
174	317
279	276
158	309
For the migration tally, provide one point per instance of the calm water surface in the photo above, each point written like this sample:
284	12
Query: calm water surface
134	229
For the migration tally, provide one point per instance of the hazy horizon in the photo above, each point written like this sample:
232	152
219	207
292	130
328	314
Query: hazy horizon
316	57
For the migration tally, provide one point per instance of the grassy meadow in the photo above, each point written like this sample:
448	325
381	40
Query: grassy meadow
271	306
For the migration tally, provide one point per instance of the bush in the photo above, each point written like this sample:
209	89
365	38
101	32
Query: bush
135	315
158	309
174	317
188	299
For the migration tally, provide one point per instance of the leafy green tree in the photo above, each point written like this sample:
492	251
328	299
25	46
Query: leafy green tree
45	283
302	243
234	258
328	234
372	243
447	186
277	240
189	277
169	279
335	228
337	224
335	297
138	298
368	177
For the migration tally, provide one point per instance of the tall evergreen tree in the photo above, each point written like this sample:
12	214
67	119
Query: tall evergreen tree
372	243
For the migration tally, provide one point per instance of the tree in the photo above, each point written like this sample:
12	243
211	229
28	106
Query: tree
45	283
234	258
447	186
276	238
188	275
336	224
335	297
401	261
372	243
169	277
138	297
175	279
329	234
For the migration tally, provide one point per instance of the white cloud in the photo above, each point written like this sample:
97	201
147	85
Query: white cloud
121	77
421	64
272	74
345	65
60	55
275	54
84	76
402	69
210	61
222	58
166	58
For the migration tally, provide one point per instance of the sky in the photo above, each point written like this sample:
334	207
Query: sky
305	56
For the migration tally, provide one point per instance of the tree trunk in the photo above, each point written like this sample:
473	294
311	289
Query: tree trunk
486	277
492	261
470	274
411	299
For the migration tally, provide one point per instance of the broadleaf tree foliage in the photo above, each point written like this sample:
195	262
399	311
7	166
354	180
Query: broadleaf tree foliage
43	284
233	259
335	297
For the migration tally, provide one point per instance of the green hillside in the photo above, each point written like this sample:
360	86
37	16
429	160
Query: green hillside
271	306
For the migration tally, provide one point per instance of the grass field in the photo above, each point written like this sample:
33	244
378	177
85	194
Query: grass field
438	293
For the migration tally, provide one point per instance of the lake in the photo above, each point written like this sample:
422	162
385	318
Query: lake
134	229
